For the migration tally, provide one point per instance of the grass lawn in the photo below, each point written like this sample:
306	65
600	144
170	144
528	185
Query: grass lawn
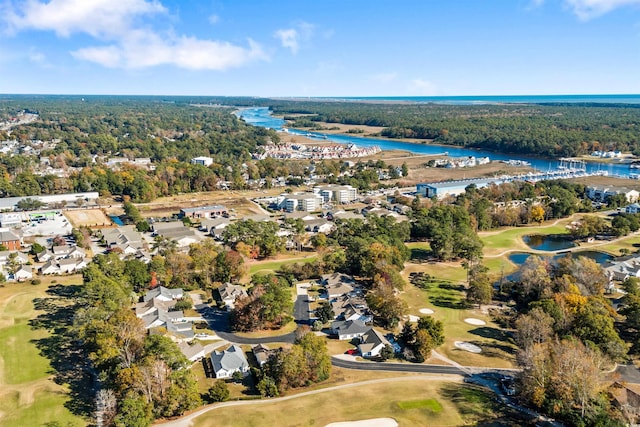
392	399
28	394
268	266
496	242
432	404
445	296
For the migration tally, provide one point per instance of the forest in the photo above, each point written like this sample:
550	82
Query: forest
550	130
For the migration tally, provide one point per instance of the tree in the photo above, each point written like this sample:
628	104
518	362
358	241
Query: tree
106	407
36	248
387	352
535	327
480	290
435	328
537	213
324	312
405	170
218	392
133	411
237	376
29	204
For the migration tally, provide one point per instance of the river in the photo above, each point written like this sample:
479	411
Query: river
261	116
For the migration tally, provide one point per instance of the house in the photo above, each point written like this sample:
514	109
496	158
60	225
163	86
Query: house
177	232
627	397
24	272
155	312
10	240
600	194
319	225
71	265
347	330
50	267
336	278
163	294
214	226
633	208
623	268
203	212
261	352
68	251
19	257
127	239
231	360
307	202
44	256
192	351
371	343
229	293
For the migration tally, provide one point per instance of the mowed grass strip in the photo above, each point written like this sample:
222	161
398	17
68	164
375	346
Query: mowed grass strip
361	402
431	404
21	359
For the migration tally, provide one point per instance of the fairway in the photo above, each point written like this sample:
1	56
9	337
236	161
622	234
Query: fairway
445	404
28	395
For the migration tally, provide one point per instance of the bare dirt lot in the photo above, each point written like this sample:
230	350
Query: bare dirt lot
87	217
607	181
237	202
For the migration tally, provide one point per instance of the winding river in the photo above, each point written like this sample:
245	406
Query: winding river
261	116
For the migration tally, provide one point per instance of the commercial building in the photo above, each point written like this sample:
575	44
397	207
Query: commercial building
336	193
205	161
203	211
454	188
307	202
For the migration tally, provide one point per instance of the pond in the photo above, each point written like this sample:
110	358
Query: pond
116	220
519	258
543	242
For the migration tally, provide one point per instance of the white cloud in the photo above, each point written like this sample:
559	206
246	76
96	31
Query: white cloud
588	9
98	18
420	87
146	49
214	19
39	58
129	44
288	38
291	38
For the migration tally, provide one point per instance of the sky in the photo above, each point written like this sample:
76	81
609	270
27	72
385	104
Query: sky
301	48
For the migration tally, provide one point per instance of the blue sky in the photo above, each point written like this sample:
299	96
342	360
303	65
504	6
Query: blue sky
320	48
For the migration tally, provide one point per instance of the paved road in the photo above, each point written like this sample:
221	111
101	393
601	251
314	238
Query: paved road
396	367
629	373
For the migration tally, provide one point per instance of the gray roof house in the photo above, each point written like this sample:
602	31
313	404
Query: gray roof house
231	360
261	352
349	329
230	292
371	343
165	294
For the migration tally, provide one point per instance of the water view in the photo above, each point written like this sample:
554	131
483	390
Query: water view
520	258
261	116
543	242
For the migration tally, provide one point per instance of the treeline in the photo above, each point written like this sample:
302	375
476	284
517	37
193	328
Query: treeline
542	130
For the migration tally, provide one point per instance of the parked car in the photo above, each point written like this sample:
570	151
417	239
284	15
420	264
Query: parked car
352	351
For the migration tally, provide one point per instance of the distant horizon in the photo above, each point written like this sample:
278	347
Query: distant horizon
297	97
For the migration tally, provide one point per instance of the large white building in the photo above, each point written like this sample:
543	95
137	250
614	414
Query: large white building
336	193
205	161
307	202
454	188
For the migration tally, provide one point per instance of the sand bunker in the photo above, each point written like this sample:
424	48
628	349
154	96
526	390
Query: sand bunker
471	348
413	318
374	422
477	322
426	311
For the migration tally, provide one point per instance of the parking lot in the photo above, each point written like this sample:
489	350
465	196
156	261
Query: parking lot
53	226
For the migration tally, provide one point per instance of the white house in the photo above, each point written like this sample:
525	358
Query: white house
231	360
23	273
